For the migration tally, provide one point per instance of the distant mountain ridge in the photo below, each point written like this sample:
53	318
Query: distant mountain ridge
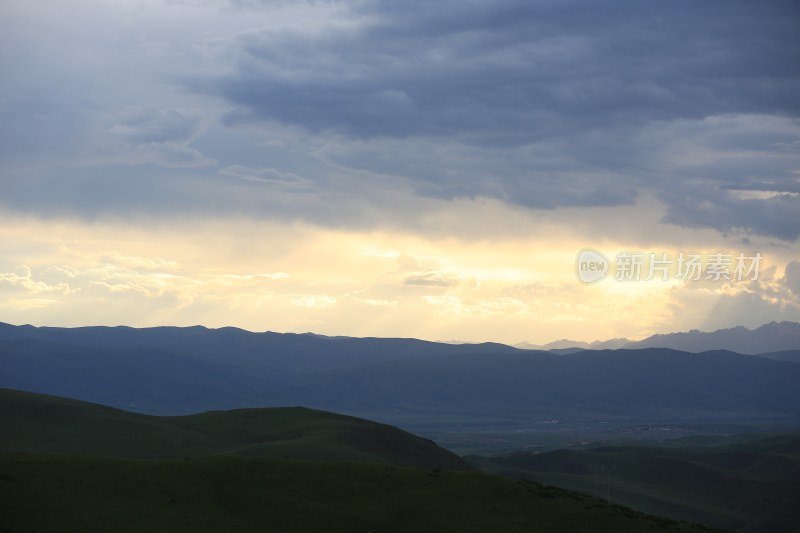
771	337
406	382
565	344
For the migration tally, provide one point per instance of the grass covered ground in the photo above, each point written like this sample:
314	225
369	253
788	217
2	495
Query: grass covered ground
67	465
230	493
753	485
38	423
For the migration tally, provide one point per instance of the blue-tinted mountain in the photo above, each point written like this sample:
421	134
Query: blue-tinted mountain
570	346
187	370
772	337
786	355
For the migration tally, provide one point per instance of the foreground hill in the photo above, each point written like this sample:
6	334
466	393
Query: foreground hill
45	424
287	470
751	486
243	494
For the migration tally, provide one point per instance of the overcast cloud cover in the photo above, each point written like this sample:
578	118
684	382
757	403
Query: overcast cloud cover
371	115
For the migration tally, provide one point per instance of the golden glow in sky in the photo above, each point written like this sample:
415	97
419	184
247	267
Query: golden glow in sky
360	168
298	278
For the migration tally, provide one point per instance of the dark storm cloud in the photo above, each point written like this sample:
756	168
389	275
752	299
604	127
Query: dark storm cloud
547	104
358	112
514	72
777	215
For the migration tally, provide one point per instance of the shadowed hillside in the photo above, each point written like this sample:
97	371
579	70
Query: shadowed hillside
37	423
62	493
287	470
751	486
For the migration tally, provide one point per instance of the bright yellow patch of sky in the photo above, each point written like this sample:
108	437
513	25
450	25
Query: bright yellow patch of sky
287	277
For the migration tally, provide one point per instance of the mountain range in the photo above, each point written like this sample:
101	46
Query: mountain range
408	382
771	337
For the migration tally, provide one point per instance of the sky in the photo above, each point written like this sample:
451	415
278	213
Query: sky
427	169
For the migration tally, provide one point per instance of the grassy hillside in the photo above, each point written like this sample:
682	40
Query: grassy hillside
38	423
71	493
753	485
67	465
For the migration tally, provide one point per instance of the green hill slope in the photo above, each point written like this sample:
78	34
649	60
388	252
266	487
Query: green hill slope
38	423
67	465
78	493
752	485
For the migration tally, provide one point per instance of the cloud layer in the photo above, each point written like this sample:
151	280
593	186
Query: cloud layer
366	106
546	104
498	136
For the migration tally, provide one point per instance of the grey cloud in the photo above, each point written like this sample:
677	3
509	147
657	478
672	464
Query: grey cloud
168	155
704	206
521	70
39	127
547	104
160	136
381	110
287	181
543	176
791	277
153	125
749	310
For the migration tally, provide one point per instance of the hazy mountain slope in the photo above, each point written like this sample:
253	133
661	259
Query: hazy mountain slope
745	485
142	379
387	379
647	383
256	351
564	344
184	370
772	337
786	355
39	423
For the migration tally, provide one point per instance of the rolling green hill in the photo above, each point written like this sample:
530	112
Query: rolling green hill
38	423
67	465
751	486
242	494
